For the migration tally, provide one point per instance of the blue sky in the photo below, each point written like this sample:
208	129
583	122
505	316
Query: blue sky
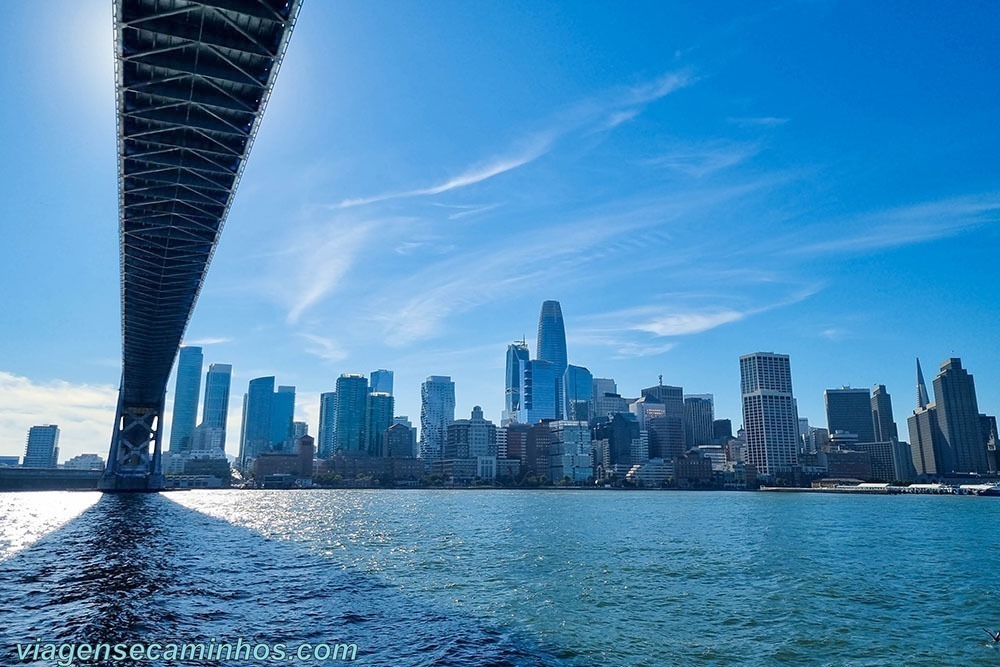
692	181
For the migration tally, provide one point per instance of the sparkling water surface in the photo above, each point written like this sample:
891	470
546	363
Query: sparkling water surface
511	577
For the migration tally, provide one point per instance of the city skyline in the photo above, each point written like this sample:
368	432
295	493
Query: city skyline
751	189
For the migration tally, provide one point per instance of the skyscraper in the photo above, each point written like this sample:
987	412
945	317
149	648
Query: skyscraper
770	419
538	392
885	426
946	435
722	430
699	414
517	353
958	418
378	417
671	438
186	391
606	400
652	418
619	444
850	410
381	381
437	410
215	410
925	437
922	399
552	346
282	417
352	406
326	442
41	449
256	430
578	385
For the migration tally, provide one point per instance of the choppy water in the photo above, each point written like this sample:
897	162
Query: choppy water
512	578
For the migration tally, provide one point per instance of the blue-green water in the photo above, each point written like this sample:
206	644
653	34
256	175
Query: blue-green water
518	578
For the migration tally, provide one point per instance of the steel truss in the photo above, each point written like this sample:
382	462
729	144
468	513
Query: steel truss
192	81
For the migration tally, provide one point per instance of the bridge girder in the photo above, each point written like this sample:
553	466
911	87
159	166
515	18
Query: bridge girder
192	81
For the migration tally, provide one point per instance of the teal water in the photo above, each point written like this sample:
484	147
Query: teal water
544	577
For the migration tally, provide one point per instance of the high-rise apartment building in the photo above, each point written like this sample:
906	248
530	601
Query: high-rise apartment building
41	449
770	418
882	420
215	410
256	431
327	432
352	411
381	381
210	434
186	391
282	418
850	411
378	417
437	410
517	354
552	347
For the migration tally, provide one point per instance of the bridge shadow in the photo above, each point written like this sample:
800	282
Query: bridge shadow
143	568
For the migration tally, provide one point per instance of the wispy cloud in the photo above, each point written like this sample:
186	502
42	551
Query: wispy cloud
614	108
835	334
467	210
324	348
535	148
758	121
424	247
905	225
659	88
552	254
217	340
684	324
616	118
618	346
85	413
702	160
322	256
641	330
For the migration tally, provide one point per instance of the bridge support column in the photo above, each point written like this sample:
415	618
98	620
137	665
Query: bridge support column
134	462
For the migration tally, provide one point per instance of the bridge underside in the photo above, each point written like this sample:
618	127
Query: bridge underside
192	81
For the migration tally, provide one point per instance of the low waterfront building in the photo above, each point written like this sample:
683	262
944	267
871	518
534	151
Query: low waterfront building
651	474
508	469
355	465
85	462
298	465
692	469
853	464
